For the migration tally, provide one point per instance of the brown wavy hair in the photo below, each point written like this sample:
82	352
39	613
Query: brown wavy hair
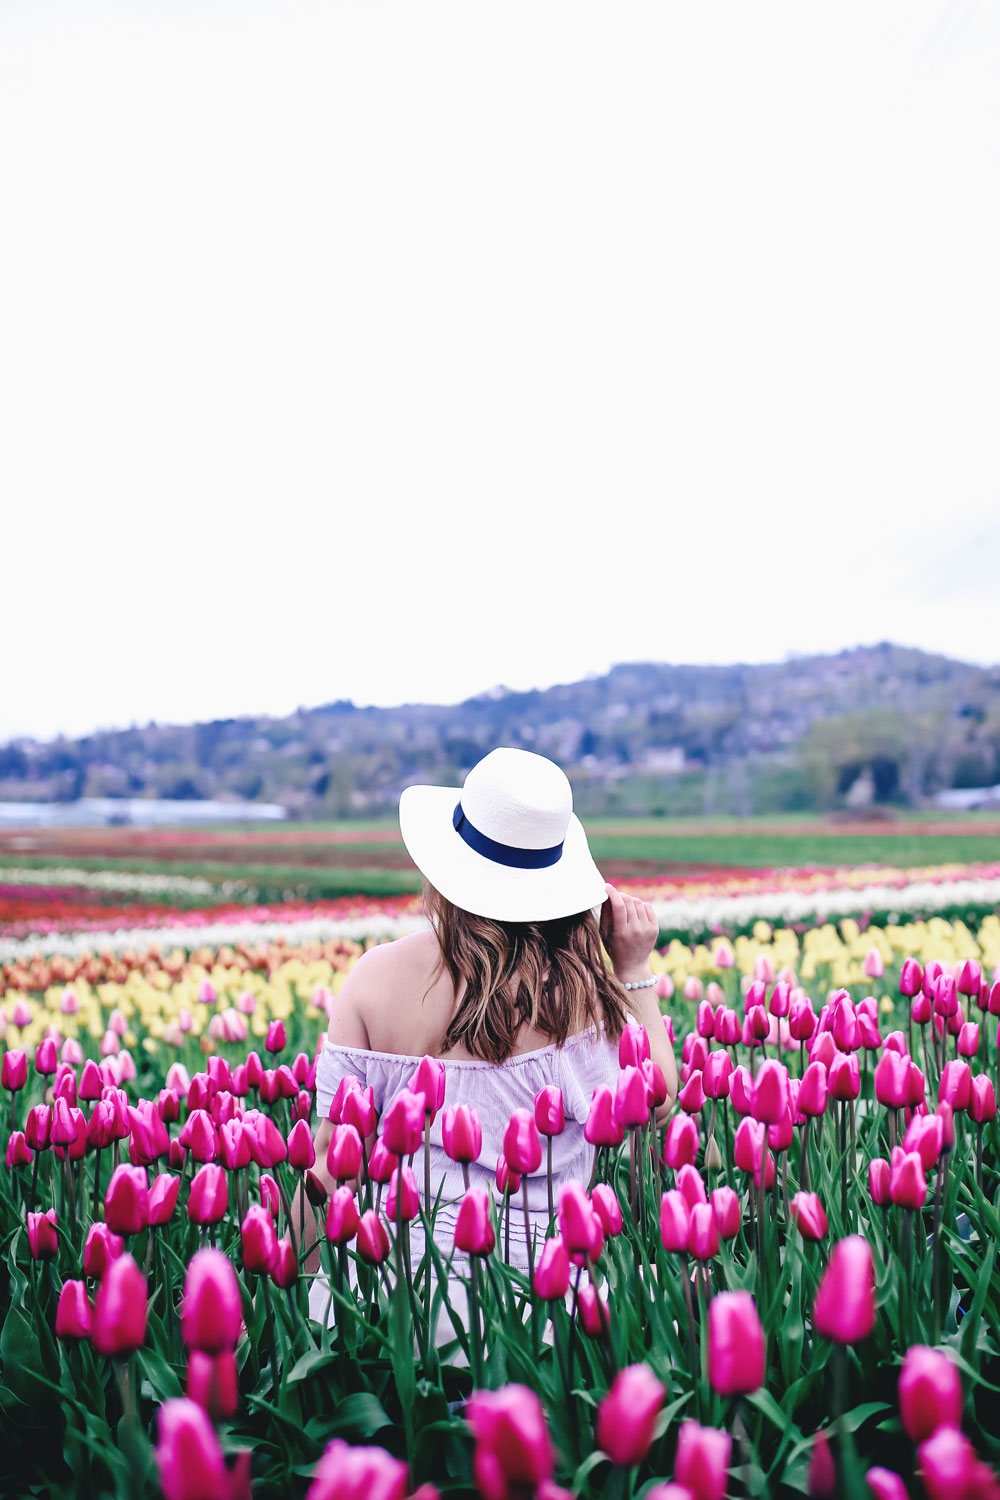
549	975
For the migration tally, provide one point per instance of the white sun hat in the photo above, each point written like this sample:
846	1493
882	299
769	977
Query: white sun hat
508	845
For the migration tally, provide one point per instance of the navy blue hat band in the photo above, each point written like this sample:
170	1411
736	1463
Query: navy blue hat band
503	854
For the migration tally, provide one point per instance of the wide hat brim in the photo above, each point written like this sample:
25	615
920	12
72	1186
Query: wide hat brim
485	887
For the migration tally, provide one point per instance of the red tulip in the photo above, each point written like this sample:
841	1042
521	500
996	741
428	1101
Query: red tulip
552	1272
809	1216
602	1127
735	1344
702	1461
474	1231
550	1111
844	1309
211	1311
626	1418
681	1143
301	1150
212	1381
163	1198
522	1147
403	1199
188	1454
259	1240
513	1450
930	1392
358	1473
403	1124
675	1221
726	1208
286	1267
126	1202
208	1198
74	1313
342	1217
43	1240
633	1045
462	1133
119	1321
373	1241
429	1081
344	1153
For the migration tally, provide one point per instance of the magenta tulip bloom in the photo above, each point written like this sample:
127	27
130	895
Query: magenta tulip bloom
550	1111
626	1418
474	1231
955	1087
633	1045
373	1240
769	1100
726	1209
911	978
691	1097
593	1312
681	1143
359	1110
948	1465
578	1223
982	1099
907	1182
844	1309
632	1098
704	1239
188	1453
930	1392
735	1344
702	1462
43	1239
813	1092
885	1484
403	1124
259	1240
716	1074
213	1382
690	1183
602	1127
342	1217
208	1198
428	1080
163	1198
267	1144
270	1198
101	1248
675	1221
507	1181
552	1272
286	1266
382	1162
607	1208
925	1136
301	1149
892	1080
461	1133
513	1447
809	1216
46	1057
74	1315
18	1153
843	1077
119	1320
126	1202
14	1070
344	1153
522	1146
402	1199
211	1311
275	1039
354	1473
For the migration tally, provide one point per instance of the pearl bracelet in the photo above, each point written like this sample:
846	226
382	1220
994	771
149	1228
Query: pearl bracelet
640	984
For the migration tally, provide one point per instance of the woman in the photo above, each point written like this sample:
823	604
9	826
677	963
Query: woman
508	988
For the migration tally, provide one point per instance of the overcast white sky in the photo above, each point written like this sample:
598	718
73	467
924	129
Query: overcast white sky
396	350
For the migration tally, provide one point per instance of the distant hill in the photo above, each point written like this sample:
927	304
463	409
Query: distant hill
876	725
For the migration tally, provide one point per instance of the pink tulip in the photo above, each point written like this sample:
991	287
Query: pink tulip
925	1136
892	1080
716	1075
873	966
14	1070
633	1045
907	1182
403	1124
513	1451
691	1097
212	1382
286	1267
885	1484
968	1039
552	1272
301	1149
126	1201
681	1143
342	1217
507	1181
101	1248
602	1127
948	1465
769	1100
74	1315
474	1232
208	1197
626	1418
844	1309
675	1221
982	1099
579	1225
119	1320
910	978
403	1199
211	1310
43	1240
702	1461
18	1153
726	1209
843	1077
163	1198
428	1081
704	1239
741	1089
809	1216
607	1208
462	1133
188	1453
735	1344
344	1153
930	1392
346	1472
382	1163
593	1312
522	1147
689	1181
632	1098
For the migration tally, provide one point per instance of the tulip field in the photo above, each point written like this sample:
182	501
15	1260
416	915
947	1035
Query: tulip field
788	1288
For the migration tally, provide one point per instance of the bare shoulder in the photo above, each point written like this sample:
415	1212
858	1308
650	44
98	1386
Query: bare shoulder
385	975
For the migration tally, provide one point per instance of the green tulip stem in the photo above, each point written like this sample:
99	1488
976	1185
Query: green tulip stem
691	1342
843	1161
804	1169
427	1164
979	1156
548	1171
34	1180
631	1171
475	1342
936	1247
531	1265
265	1283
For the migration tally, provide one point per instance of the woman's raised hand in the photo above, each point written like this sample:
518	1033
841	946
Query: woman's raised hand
629	930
